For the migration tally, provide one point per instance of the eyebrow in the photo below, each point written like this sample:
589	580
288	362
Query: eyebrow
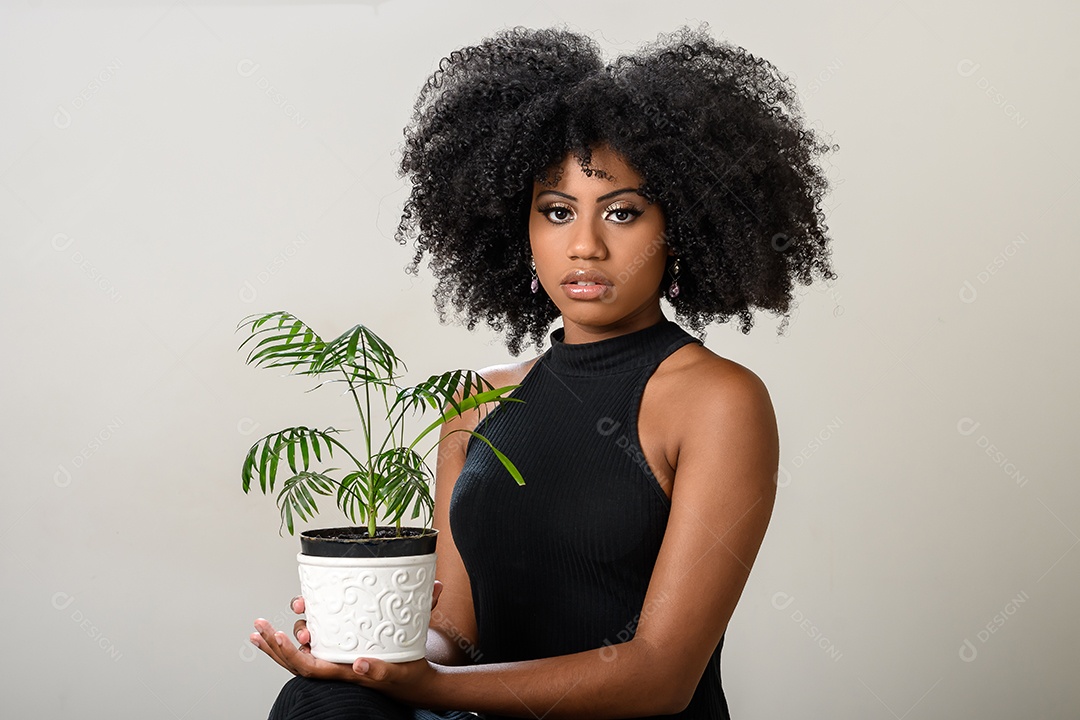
599	199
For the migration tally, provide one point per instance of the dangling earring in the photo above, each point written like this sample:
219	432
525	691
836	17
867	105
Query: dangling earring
535	285
673	289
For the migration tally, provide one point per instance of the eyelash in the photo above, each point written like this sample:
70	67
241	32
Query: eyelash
547	209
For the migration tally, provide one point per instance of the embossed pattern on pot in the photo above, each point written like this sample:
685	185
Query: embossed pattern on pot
367	607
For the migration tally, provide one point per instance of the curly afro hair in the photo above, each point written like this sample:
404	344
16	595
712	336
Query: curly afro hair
715	132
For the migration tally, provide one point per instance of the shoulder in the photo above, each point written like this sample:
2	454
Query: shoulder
508	373
697	378
719	428
714	400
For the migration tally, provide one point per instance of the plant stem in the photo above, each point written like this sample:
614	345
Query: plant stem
367	440
367	433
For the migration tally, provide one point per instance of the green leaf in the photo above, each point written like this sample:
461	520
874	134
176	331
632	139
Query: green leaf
297	497
288	518
404	480
354	340
289	342
350	495
262	464
305	491
249	465
271	472
468	404
361	354
510	467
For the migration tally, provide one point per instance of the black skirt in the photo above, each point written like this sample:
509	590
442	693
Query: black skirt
305	699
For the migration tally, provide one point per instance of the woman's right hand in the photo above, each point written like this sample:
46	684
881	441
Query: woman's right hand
303	636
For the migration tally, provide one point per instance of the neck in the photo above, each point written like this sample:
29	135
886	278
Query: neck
581	332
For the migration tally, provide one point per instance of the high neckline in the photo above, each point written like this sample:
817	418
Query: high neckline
615	354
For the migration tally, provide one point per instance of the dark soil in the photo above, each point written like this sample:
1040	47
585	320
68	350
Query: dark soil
356	542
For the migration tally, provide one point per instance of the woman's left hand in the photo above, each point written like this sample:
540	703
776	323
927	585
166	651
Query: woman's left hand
404	681
282	651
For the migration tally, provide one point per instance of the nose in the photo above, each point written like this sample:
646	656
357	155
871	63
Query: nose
586	240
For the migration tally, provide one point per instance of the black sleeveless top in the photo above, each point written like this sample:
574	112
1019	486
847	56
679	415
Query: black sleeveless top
561	564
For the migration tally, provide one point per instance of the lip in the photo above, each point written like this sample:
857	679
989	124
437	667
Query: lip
585	292
585	275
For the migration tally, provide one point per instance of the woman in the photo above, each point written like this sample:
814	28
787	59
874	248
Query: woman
547	185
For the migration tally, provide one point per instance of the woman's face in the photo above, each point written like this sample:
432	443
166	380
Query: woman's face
599	248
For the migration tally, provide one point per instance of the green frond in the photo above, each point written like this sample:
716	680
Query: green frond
297	496
264	455
362	354
406	482
468	403
288	342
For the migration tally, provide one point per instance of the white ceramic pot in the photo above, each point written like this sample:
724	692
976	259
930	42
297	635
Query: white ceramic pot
376	607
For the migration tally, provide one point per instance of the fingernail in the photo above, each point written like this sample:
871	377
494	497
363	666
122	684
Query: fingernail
362	666
280	640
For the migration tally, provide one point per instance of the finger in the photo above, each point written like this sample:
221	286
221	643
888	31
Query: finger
301	633
305	664
270	645
263	639
277	645
297	604
436	591
376	670
289	654
283	650
260	642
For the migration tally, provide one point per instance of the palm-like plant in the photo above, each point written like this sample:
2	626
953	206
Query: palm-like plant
391	476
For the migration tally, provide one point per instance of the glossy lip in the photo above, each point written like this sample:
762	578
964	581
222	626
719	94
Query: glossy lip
585	275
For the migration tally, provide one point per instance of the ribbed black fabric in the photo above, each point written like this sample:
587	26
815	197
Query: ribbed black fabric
306	699
561	564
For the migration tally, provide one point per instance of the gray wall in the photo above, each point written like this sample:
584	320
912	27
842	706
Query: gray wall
166	169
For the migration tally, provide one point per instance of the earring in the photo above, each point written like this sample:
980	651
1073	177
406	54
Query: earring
673	289
535	285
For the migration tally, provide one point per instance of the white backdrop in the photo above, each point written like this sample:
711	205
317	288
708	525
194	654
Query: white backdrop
167	168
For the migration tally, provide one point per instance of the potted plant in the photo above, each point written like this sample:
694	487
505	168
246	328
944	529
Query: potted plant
367	588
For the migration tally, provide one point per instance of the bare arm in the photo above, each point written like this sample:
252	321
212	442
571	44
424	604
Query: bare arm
452	631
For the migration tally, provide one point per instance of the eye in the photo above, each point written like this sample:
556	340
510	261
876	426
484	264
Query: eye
624	213
556	213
